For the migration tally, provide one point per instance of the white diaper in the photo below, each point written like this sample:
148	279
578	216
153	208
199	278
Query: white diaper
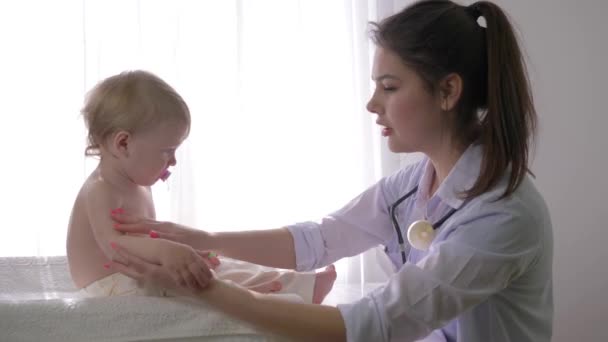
242	273
118	284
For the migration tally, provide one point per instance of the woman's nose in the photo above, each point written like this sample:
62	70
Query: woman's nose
372	104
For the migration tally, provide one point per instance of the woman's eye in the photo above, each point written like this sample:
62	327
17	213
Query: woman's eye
388	88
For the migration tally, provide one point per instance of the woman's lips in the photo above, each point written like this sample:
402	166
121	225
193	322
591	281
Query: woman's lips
387	131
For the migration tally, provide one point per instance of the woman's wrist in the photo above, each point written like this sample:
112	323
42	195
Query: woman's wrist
294	320
204	241
227	297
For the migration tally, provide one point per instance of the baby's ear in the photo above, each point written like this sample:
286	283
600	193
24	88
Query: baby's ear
120	144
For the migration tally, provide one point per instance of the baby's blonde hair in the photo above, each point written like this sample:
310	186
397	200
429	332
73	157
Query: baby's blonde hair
131	101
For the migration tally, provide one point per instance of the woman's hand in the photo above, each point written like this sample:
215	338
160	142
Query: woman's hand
186	266
197	239
185	272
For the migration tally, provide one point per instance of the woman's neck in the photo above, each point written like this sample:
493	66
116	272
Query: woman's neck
443	159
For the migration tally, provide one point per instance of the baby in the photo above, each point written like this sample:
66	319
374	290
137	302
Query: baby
135	123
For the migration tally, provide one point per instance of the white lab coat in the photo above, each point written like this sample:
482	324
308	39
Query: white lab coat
486	277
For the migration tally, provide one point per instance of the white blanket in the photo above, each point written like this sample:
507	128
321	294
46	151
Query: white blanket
39	303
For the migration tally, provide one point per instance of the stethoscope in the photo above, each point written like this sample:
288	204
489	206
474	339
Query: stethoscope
421	233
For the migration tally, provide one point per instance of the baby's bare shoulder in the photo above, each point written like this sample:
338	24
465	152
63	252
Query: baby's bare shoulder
96	191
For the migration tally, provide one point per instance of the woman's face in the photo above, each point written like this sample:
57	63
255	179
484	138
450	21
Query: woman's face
409	113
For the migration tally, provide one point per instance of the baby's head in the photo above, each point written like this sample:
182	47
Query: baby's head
137	119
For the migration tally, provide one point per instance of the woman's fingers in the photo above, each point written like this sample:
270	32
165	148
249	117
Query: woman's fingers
201	274
141	227
156	234
127	270
178	279
132	223
122	217
191	281
131	264
210	258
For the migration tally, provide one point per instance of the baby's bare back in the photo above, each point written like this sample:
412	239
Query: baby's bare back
86	259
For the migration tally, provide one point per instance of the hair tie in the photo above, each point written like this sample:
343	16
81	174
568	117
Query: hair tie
473	11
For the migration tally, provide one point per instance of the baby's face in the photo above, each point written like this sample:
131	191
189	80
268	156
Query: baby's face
152	152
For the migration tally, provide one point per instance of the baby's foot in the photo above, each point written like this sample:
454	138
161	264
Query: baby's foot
324	281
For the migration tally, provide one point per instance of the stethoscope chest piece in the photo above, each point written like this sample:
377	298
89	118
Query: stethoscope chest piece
420	234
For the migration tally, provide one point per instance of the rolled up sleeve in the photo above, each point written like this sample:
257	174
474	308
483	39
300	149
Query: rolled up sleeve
361	224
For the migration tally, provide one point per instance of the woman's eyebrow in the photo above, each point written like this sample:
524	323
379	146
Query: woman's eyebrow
385	76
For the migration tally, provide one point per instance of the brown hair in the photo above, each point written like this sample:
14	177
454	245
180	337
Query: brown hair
131	101
496	110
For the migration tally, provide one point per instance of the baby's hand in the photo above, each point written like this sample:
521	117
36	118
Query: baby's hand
210	259
186	266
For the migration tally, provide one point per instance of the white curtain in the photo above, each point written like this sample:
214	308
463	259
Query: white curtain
277	91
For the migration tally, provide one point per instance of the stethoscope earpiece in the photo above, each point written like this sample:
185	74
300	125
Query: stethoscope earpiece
421	234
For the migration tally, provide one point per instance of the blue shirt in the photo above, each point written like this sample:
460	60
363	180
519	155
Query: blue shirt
486	277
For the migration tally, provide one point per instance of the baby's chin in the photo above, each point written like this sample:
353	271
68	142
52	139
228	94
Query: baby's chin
150	182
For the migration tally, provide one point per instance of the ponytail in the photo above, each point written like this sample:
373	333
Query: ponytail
509	123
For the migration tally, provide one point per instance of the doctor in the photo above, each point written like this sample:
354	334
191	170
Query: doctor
477	267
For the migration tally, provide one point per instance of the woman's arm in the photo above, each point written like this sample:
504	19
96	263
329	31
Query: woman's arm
359	225
305	322
272	248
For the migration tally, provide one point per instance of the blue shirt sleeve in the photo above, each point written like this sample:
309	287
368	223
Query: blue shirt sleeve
361	224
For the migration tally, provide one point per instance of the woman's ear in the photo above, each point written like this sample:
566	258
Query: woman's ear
450	91
120	144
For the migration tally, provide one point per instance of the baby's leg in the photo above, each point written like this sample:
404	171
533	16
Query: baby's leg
253	277
311	287
268	287
324	281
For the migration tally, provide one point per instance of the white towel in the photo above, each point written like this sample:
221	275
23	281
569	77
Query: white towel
39	303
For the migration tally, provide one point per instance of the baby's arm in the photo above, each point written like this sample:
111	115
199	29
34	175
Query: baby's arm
99	203
182	261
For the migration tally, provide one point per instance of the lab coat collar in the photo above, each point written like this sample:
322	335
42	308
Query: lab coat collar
462	177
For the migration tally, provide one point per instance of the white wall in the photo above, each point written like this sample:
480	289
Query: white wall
568	48
567	45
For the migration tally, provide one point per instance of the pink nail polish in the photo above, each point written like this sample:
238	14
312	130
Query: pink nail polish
114	245
116	225
154	234
106	266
